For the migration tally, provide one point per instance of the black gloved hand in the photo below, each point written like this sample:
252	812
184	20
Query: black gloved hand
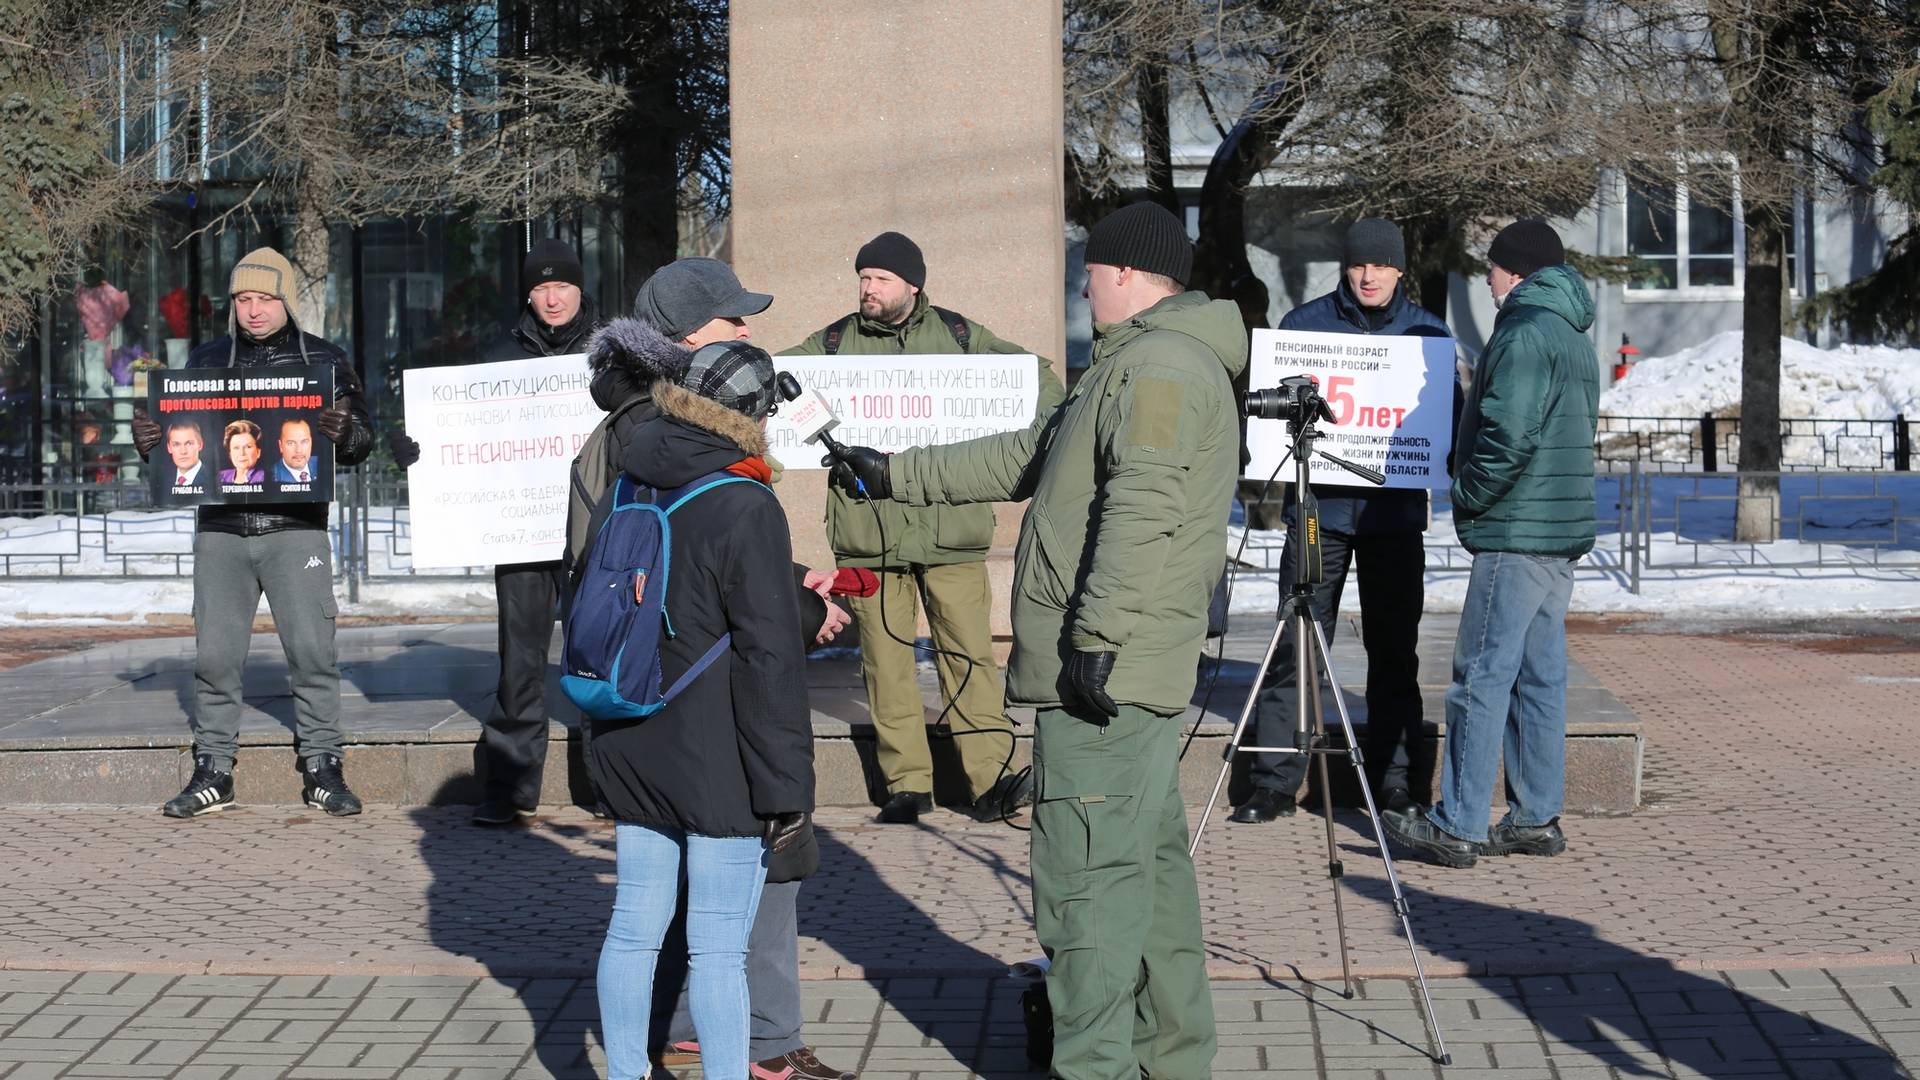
146	433
782	831
1086	675
858	467
404	450
333	424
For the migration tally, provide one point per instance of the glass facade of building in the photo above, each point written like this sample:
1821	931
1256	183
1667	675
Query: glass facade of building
418	292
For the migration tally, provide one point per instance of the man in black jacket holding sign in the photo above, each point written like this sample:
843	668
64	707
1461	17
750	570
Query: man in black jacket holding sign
556	320
280	549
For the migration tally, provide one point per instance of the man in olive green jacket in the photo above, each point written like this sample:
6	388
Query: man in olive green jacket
936	553
1119	550
1523	504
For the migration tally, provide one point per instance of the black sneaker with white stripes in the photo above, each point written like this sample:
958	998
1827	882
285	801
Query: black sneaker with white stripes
209	790
325	789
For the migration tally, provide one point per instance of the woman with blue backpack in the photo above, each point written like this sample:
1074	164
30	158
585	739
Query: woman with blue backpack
705	761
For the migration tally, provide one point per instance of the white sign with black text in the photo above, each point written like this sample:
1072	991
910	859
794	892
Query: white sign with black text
496	442
894	402
1392	402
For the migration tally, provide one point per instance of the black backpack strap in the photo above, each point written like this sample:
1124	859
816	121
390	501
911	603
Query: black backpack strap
956	325
613	421
830	343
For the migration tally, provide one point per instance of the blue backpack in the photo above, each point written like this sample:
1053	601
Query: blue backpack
610	662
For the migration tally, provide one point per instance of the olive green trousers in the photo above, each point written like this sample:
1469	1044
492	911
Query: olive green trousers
1116	905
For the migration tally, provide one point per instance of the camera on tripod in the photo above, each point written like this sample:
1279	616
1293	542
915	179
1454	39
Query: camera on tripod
1297	400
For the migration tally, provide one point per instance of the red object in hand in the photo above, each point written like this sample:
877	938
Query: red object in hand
855	582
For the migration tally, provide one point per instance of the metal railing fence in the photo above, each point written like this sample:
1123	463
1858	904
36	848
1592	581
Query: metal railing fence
1665	500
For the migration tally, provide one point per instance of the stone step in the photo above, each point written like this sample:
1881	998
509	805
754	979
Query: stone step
110	726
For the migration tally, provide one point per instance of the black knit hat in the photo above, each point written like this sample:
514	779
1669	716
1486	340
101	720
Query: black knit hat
894	253
550	260
1375	242
1526	246
735	374
1144	236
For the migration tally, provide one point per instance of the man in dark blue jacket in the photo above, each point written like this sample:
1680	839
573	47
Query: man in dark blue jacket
1381	529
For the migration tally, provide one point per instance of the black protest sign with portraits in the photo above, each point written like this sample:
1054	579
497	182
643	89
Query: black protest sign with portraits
241	435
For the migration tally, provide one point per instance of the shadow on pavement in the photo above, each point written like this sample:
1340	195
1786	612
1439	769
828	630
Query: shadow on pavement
1628	1011
903	950
530	909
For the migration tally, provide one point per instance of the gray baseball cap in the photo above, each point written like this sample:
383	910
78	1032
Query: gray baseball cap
686	294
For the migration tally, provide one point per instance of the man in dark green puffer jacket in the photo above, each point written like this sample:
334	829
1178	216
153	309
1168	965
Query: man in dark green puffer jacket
1523	504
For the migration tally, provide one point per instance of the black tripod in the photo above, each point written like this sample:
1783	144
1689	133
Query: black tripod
1302	405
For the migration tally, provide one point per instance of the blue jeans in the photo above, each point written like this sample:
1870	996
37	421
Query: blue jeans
724	875
1509	688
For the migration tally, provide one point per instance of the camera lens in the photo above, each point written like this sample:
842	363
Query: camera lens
1269	404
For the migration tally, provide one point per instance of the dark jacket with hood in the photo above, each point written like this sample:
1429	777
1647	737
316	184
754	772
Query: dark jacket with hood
627	356
1352	511
1127	532
1523	480
736	747
288	345
530	337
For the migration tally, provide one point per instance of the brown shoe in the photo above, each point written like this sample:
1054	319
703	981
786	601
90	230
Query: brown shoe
797	1065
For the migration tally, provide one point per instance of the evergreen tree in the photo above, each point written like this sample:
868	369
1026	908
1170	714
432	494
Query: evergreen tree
1879	308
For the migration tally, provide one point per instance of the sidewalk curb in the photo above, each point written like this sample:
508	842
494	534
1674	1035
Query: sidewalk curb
1493	967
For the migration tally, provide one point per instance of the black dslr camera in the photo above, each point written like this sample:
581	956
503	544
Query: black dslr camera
1296	400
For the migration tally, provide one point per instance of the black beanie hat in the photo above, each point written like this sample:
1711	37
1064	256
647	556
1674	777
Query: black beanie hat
894	253
1144	236
550	260
1377	242
1526	246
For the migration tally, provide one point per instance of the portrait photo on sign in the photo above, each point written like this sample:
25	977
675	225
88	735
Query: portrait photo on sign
241	436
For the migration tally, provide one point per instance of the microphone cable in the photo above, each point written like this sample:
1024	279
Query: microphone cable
953	700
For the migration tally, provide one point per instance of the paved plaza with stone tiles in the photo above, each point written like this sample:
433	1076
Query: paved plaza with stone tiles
1756	917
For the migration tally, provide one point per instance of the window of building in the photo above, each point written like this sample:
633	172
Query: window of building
1686	237
1690	239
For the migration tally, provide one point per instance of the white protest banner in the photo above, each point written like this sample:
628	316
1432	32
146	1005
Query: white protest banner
893	402
1392	401
496	441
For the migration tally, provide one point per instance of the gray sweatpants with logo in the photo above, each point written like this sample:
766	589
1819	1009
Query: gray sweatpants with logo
295	569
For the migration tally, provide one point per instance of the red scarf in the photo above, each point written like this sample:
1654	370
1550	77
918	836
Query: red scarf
752	468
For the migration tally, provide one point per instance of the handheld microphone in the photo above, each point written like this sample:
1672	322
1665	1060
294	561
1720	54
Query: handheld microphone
809	414
812	417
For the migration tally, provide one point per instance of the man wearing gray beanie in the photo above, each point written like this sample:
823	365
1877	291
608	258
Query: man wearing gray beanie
933	556
1523	505
1380	529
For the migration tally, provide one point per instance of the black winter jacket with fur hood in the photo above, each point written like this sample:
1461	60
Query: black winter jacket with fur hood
736	747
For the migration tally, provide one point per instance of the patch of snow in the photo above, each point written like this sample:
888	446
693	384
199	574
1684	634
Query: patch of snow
1848	382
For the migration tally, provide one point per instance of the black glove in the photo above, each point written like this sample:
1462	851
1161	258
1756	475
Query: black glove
146	433
860	467
404	450
333	423
1086	676
783	831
